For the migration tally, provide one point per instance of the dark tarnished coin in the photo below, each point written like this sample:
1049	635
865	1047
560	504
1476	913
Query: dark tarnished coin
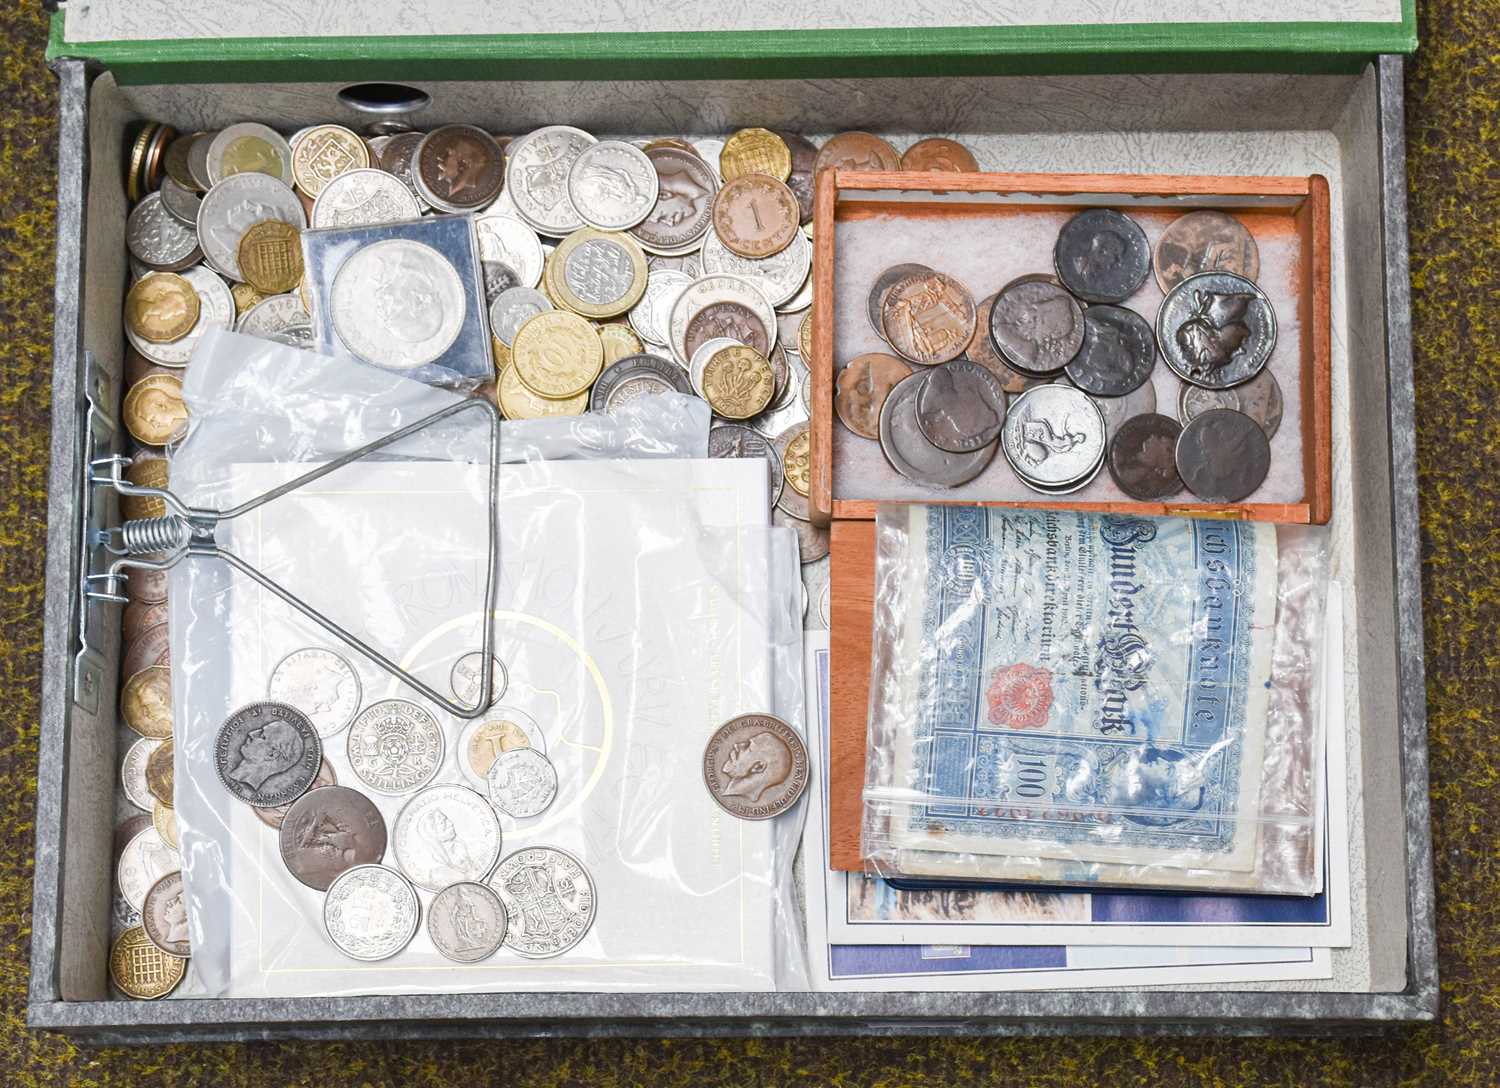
961	407
267	754
458	168
1205	241
928	317
1118	353
728	320
1259	398
737	440
637	376
149	648
982	350
1054	438
875	302
1102	255
1216	329
164	916
1037	326
396	158
755	766
1143	457
812	542
804	168
909	451
861	388
1116	410
1223	456
275	817
467	922
329	830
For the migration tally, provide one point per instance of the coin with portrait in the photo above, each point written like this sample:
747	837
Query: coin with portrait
267	753
397	303
755	766
446	834
1143	457
164	916
146	702
154	412
960	407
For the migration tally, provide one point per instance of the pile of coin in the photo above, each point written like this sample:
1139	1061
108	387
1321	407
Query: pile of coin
1055	371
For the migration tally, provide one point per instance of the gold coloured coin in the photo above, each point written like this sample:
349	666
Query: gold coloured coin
325	152
153	411
270	257
146	702
489	740
142	970
518	402
672	142
245	297
804	337
755	151
164	819
596	273
145	472
797	462
556	355
738	382
501	353
159	772
162	307
133	190
619	341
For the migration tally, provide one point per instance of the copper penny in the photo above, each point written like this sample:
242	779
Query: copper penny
159	772
328	831
1204	241
147	586
725	319
861	388
138	367
756	216
149	649
139	616
755	766
804	170
938	154
1143	457
857	151
459	168
928	317
273	817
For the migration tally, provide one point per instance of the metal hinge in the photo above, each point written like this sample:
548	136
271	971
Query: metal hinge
100	515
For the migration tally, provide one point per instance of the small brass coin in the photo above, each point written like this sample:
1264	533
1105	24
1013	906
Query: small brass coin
325	152
270	256
738	382
142	970
146	702
159	773
557	355
145	472
154	411
164	819
162	307
755	151
518	402
619	342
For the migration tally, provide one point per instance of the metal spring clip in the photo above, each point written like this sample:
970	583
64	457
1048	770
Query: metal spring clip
190	532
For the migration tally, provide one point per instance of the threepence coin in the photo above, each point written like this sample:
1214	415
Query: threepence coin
1102	255
395	746
446	834
267	754
755	151
738	382
371	912
794	447
960	407
1143	457
398	304
164	916
928	317
466	678
908	449
612	185
1036	325
215	311
153	410
1216	329
1223	456
737	440
142	970
321	684
164	819
549	897
161	307
159	772
1204	241
755	766
467	922
146	702
522	782
270	257
1259	398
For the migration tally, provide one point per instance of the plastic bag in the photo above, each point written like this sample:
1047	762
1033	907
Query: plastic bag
642	601
1109	700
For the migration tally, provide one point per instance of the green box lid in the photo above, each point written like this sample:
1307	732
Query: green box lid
317	40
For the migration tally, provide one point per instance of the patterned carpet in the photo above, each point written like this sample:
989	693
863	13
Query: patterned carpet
1452	110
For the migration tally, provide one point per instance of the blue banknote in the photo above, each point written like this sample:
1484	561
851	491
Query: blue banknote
1090	687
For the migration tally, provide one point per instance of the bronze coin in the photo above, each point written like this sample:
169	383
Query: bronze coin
138	367
148	586
857	151
459	168
1143	457
982	350
164	916
129	828
725	319
756	216
928	317
755	766
273	817
327	831
1037	326
1223	456
150	648
941	155
159	772
861	388
804	170
1204	241
138	617
145	472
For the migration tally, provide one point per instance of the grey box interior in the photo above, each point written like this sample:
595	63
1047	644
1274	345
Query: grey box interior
1347	127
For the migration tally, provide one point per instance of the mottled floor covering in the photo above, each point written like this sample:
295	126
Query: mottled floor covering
1453	119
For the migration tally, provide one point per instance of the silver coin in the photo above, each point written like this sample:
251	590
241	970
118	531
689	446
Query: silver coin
215	311
707	290
1259	398
599	271
281	318
156	239
133	772
275	161
446	834
235	205
397	303
825	605
661	315
362	198
685	262
961	406
181	202
875	302
683	209
612	185
643	315
1216	329
197	160
1054	437
550	899
371	912
802	299
522	782
792	407
321	684
637	376
267	754
785	390
500	730
709	151
909	451
144	861
506	240
395	746
467	922
536	176
706	351
778	277
467	677
1116	410
738	440
512	309
812	542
